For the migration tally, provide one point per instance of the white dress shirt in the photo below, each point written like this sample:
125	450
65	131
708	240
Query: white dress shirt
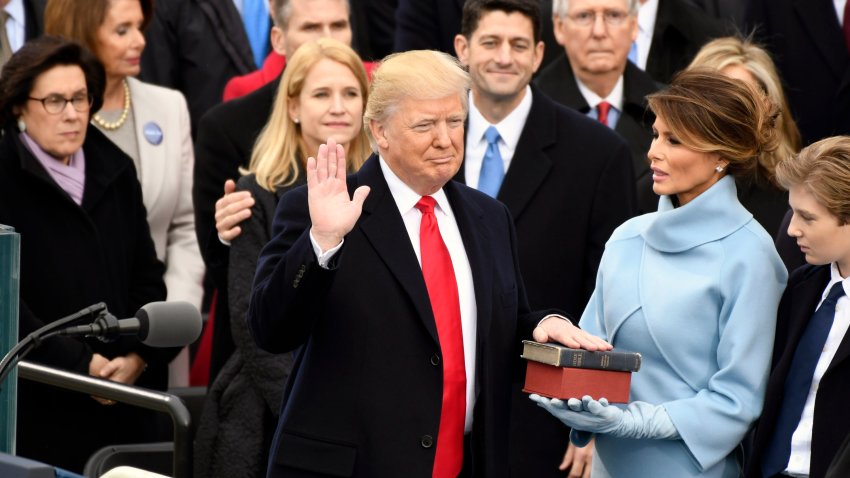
406	199
510	129
801	440
839	10
646	27
15	24
615	99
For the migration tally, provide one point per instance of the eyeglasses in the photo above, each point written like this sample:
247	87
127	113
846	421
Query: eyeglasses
613	18
55	104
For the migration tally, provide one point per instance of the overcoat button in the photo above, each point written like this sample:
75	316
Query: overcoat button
435	360
427	441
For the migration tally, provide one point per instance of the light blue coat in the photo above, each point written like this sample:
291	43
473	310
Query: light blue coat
695	290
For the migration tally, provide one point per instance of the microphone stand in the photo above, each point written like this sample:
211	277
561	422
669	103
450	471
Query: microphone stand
33	340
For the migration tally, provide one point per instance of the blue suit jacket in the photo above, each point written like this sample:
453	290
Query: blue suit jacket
366	394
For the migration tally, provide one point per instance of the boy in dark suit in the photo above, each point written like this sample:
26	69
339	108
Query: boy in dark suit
805	416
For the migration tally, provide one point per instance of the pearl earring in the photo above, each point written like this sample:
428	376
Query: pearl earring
719	169
22	127
297	120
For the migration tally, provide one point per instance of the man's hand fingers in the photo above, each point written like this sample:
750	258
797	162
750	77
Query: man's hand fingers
322	164
341	169
333	157
360	196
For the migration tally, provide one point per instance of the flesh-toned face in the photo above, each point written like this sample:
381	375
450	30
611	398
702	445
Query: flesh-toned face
120	40
422	141
501	54
598	48
330	105
818	233
677	169
62	134
313	19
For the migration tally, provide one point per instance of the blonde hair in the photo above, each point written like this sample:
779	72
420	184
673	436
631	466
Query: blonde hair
735	51
280	148
824	169
417	74
712	113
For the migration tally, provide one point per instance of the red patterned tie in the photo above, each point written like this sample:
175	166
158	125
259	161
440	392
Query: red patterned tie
846	25
603	108
442	290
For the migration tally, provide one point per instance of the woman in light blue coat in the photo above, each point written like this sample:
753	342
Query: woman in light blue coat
694	288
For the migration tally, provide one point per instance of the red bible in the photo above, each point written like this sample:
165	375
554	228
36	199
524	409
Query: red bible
567	382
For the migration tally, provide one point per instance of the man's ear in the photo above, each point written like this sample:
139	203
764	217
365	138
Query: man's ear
379	133
278	40
462	49
557	27
538	55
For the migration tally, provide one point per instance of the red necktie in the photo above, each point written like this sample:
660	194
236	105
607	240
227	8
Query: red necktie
442	291
846	25
602	109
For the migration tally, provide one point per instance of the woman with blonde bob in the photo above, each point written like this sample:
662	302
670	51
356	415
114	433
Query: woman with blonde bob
743	59
693	288
805	416
322	95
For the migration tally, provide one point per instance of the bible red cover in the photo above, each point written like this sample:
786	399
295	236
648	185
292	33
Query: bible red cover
566	382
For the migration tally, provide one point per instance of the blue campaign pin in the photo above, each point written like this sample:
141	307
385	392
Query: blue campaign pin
153	133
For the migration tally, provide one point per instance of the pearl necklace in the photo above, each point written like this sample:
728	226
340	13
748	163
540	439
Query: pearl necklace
111	126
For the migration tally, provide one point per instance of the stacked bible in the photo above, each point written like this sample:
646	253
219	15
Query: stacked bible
556	371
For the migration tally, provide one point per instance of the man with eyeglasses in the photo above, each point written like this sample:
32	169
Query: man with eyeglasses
596	77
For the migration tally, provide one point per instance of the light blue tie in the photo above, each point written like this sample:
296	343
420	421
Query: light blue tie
255	17
492	168
633	53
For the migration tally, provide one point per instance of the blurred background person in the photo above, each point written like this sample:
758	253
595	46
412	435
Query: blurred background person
75	199
196	46
595	76
433	24
225	138
670	33
742	59
322	95
805	416
693	287
149	123
20	21
374	27
305	27
811	46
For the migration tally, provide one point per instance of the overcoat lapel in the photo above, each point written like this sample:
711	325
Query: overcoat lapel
384	229
530	164
152	157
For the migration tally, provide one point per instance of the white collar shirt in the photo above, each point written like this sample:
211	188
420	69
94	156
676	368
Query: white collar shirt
405	199
646	27
615	99
839	10
801	441
510	129
16	24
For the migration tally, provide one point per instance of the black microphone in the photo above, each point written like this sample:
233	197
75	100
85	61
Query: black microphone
158	324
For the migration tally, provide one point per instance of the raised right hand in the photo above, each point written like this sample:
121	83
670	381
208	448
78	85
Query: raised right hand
332	212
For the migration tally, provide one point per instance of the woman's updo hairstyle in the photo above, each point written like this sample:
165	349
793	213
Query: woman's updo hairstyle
711	113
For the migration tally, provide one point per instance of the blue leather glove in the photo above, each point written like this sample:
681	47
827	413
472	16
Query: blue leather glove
637	420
